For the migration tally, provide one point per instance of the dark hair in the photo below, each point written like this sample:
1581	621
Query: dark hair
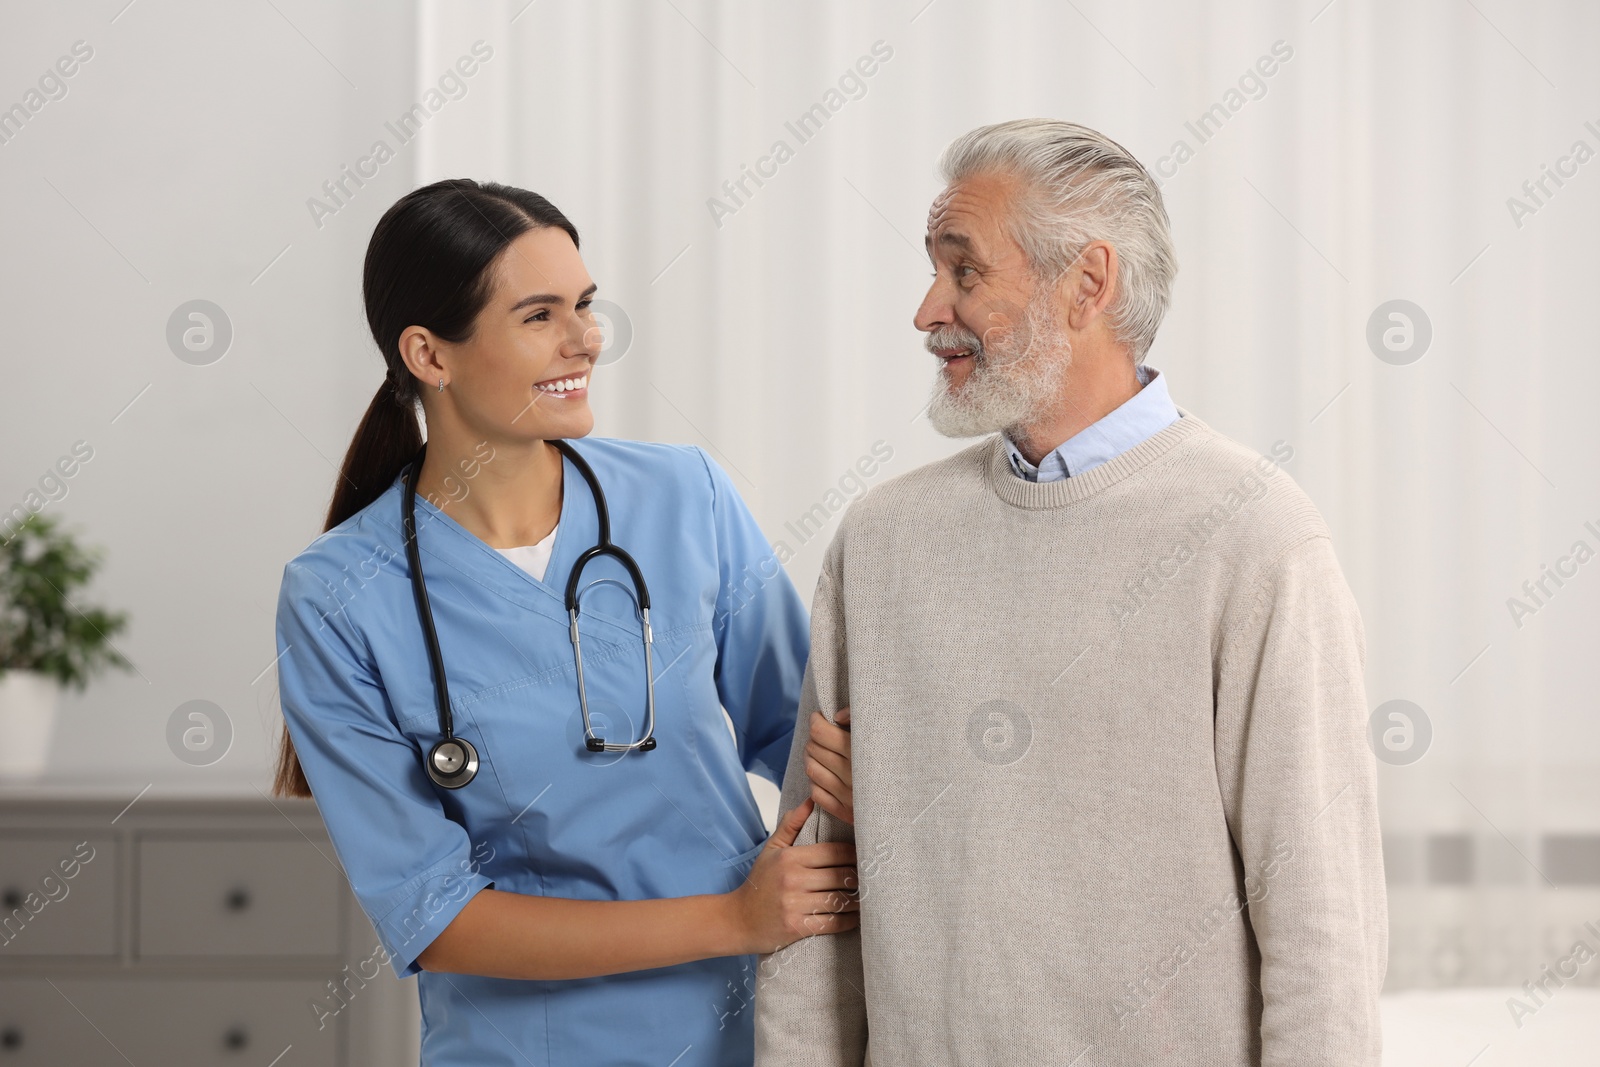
429	264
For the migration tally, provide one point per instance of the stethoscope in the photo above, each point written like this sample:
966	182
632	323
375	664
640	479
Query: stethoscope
453	761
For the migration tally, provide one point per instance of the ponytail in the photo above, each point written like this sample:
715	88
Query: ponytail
387	439
428	264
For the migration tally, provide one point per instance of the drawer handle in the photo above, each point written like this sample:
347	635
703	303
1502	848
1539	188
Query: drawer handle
10	1038
236	1038
11	897
238	899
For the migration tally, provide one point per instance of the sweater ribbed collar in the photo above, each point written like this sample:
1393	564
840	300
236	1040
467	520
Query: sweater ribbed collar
1021	493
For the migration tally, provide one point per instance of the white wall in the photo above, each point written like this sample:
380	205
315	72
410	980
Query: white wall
177	167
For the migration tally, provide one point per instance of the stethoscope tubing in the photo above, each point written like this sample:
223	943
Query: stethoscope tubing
453	761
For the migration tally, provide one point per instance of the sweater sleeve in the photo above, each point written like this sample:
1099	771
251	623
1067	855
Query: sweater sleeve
1299	791
810	1006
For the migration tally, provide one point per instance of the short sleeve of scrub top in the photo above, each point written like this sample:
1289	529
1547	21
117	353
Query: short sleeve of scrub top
383	797
755	602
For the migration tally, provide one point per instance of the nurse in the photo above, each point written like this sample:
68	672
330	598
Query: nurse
565	906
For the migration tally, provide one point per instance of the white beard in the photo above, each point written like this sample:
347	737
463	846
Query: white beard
1012	384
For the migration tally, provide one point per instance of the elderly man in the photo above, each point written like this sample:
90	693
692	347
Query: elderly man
1113	800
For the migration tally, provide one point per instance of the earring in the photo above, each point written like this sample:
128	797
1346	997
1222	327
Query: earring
441	385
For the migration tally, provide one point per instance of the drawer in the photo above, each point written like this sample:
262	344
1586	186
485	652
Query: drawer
265	896
173	1023
57	895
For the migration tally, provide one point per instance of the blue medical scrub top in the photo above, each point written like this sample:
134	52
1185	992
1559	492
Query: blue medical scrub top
543	816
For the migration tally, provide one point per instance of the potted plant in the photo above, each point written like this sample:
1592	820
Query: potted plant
48	640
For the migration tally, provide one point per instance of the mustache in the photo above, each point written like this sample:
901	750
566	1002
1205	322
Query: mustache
953	336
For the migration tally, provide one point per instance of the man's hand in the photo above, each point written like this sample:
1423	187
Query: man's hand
828	765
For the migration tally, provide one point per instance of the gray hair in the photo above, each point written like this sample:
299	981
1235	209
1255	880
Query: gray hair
1081	186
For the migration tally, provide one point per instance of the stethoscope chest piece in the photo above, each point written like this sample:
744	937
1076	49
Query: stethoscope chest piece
452	763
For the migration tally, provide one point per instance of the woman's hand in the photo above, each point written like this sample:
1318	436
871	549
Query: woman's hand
795	891
828	765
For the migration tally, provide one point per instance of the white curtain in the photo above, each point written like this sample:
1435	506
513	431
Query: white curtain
1338	156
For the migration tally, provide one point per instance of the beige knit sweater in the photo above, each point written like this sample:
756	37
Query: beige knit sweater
1114	799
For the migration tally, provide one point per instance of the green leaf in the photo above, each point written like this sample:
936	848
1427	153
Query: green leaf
44	626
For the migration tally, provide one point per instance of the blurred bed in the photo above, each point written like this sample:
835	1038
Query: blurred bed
1458	1027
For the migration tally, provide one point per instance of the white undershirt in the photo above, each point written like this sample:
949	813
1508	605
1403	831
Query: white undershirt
532	558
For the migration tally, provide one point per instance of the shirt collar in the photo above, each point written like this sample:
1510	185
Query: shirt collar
1146	413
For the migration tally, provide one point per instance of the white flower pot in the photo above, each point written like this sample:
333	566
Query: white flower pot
28	701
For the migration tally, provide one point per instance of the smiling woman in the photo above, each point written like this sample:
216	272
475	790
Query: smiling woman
444	713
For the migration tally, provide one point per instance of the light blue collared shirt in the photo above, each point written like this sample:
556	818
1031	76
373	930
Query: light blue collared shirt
1141	416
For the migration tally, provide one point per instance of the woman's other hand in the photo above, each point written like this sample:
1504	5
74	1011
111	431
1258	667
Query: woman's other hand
828	765
795	891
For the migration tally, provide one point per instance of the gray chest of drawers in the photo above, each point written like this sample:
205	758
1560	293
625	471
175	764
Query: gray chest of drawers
187	930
